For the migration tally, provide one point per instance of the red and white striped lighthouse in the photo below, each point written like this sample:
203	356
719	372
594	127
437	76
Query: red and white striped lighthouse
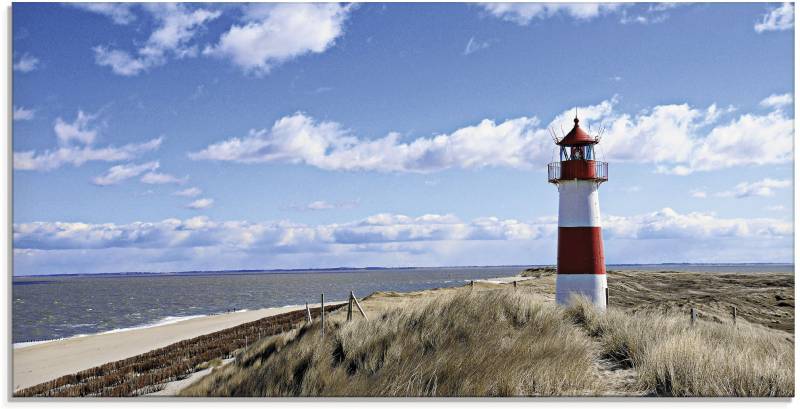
581	265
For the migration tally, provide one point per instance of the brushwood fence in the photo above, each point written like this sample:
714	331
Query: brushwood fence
149	372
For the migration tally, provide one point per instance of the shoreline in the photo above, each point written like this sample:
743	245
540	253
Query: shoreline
47	360
161	322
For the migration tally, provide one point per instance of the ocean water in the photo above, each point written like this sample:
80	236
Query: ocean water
53	307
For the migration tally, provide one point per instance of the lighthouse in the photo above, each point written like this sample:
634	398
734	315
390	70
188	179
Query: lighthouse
581	265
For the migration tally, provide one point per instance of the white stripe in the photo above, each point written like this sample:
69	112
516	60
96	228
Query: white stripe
578	203
592	286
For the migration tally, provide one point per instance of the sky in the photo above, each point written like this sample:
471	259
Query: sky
175	137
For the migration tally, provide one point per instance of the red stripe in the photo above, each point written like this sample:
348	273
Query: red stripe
578	169
580	250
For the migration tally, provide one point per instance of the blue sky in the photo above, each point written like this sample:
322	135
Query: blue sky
223	136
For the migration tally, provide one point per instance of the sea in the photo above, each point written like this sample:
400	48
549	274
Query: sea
63	306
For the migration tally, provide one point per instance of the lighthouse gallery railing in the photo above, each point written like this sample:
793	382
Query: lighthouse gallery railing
577	169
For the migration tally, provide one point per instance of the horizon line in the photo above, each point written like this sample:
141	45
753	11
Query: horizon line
367	268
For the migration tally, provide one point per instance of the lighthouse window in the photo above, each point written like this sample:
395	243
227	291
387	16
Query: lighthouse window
585	152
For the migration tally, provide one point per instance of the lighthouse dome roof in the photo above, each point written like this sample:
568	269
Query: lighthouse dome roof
577	137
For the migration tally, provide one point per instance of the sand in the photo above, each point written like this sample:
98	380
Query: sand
172	388
42	362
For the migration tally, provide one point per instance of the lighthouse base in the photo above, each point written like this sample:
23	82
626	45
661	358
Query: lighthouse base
592	286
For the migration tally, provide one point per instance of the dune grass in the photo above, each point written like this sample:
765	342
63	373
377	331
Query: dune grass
674	358
471	344
507	343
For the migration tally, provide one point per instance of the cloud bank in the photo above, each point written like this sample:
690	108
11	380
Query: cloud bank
391	238
380	228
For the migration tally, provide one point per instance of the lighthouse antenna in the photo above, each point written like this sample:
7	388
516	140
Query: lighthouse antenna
600	135
553	135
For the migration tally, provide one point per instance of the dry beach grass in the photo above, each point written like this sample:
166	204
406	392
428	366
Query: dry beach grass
672	357
495	341
464	344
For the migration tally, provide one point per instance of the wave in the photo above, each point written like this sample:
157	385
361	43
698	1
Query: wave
161	322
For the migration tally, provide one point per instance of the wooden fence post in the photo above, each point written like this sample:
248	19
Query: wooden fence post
308	314
350	307
515	285
733	312
353	297
693	315
322	313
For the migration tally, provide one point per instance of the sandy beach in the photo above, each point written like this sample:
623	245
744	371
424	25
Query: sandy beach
38	363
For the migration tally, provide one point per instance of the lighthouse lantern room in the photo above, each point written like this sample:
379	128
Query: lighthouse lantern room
578	175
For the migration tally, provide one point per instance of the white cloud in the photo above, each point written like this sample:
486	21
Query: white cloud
474	46
26	63
677	138
765	187
77	156
190	192
120	61
119	173
300	139
75	142
669	224
79	130
157	178
23	114
177	26
119	13
524	13
747	140
776	208
201	204
776	100
778	19
378	229
275	33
